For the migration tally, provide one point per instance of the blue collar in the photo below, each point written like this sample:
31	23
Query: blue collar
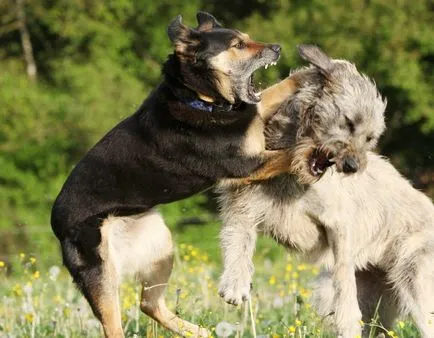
207	106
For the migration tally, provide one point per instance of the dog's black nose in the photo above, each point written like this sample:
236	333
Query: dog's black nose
276	48
350	165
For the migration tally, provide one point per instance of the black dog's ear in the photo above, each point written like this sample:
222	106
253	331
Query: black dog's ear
206	21
314	55
177	31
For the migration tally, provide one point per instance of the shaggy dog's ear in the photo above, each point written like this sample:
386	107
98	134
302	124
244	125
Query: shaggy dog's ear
206	22
314	55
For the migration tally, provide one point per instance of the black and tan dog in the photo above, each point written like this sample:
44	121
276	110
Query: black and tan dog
202	124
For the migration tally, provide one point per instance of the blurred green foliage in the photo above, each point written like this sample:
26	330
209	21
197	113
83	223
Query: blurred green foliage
97	61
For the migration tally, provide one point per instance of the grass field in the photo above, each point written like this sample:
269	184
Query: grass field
43	302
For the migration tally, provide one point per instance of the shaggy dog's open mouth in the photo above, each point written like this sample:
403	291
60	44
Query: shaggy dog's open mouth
319	161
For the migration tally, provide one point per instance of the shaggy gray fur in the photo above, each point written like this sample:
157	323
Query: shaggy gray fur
371	230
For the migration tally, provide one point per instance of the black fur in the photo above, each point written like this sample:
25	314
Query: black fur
164	152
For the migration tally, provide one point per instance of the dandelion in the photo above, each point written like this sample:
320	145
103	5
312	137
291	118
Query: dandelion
272	280
301	267
32	260
224	329
291	329
278	302
29	317
93	323
54	272
36	274
17	290
2	264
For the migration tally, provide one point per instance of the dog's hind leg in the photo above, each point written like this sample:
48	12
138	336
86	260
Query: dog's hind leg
412	275
95	274
144	245
373	292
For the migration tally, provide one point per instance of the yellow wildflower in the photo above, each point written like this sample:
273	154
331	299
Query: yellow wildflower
36	274
272	280
2	264
301	267
289	267
32	260
186	257
22	255
292	329
29	317
17	290
298	322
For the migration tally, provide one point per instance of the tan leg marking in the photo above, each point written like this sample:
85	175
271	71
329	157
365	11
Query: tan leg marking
274	96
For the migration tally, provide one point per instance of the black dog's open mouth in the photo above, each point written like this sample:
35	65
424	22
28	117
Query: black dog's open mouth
319	161
252	92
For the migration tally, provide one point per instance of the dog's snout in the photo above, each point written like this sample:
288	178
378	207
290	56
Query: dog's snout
350	165
276	48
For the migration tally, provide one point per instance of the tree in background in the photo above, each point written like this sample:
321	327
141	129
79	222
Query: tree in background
94	62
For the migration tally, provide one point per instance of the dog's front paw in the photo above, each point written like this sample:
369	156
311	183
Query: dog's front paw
235	289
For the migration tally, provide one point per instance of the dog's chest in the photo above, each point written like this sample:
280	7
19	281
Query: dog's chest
288	222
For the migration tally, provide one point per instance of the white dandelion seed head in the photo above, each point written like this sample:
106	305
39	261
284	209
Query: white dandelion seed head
28	289
54	272
278	302
224	329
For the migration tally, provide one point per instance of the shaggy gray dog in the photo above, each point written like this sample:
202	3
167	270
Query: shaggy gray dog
342	206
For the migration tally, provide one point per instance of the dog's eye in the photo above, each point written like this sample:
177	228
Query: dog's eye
350	124
240	45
